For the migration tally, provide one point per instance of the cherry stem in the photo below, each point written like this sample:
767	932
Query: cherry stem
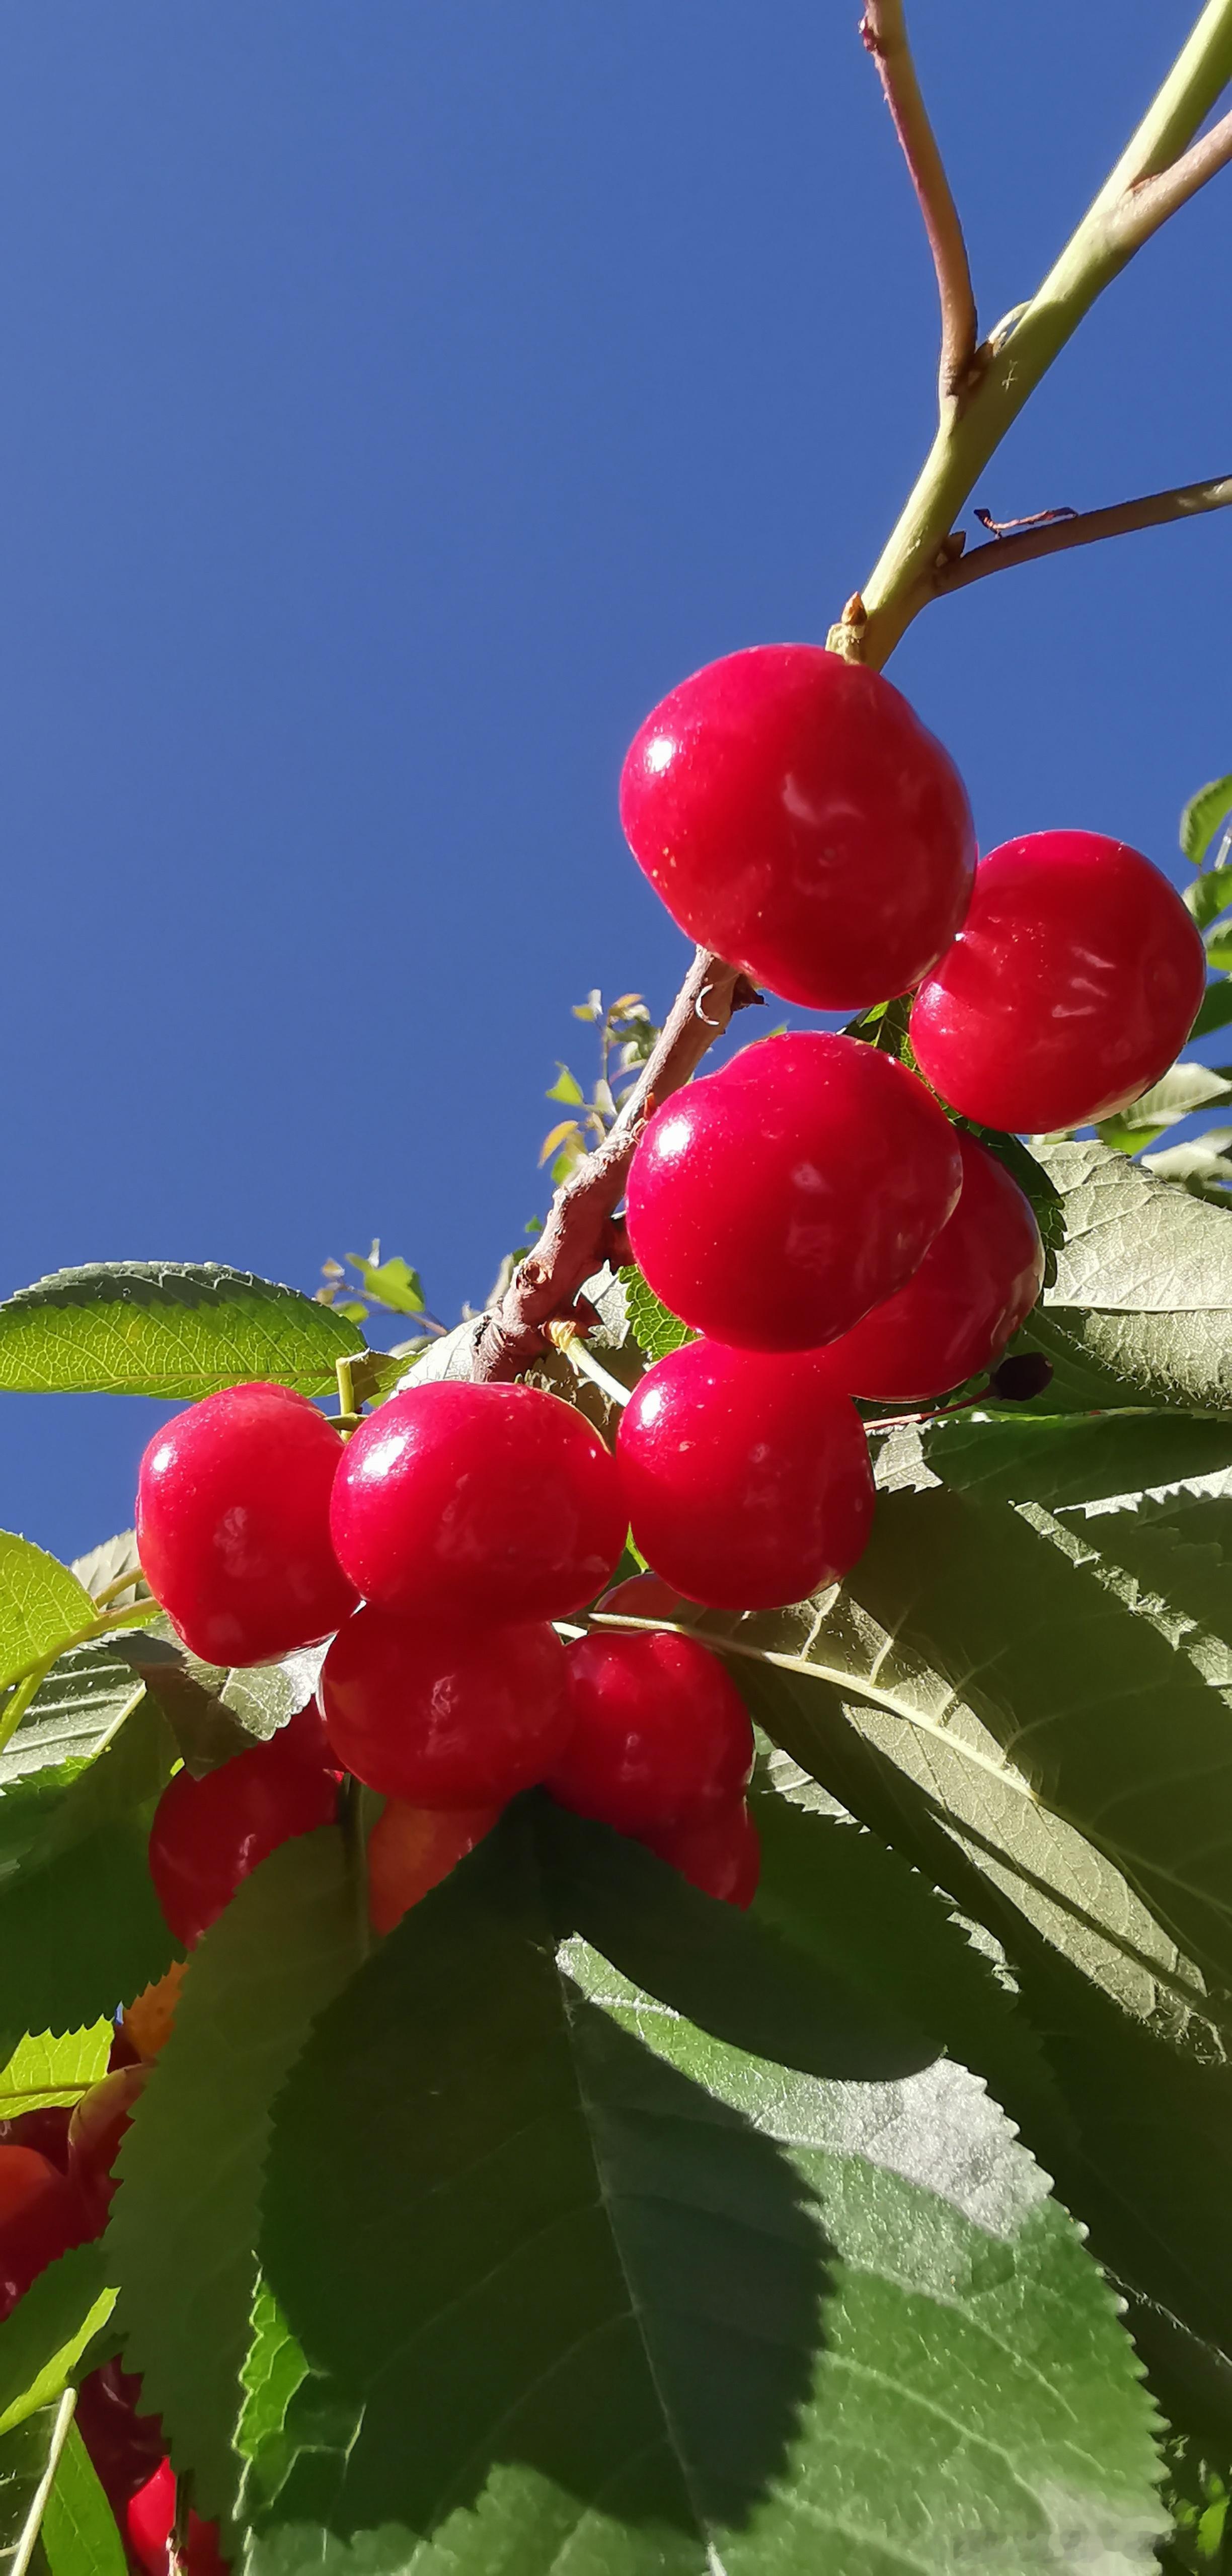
885	37
566	1337
1121	519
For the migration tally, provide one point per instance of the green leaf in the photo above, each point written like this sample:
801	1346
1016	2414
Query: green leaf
1216	1010
1202	817
566	1088
83	1702
1186	1088
575	2279
48	2331
1144	1283
1209	895
1013	1681
80	1927
654	1328
214	1713
29	2457
44	2070
190	2169
42	1606
1071	1458
167	1329
1219	948
393	1283
80	2534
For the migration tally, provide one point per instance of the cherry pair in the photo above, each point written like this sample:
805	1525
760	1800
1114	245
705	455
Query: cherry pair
796	817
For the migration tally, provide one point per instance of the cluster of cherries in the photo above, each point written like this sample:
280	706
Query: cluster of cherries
56	2185
811	1212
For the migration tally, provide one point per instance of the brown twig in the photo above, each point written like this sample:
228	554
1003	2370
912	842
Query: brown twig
1148	202
885	35
571	1245
1154	510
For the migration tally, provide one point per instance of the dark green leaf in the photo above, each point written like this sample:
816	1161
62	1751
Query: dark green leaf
49	2330
1073	1457
574	2281
167	1329
79	2528
1144	1284
1216	1009
80	1926
1202	817
190	2168
1209	895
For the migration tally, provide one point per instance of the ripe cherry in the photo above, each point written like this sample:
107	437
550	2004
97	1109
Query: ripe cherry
208	1834
411	1849
233	1525
1073	983
124	2445
150	2520
97	2126
450	1714
39	2219
774	1202
795	816
720	1853
747	1477
496	1500
45	2130
977	1282
660	1732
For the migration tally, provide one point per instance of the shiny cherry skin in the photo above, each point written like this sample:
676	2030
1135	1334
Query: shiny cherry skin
774	1202
148	2524
233	1525
496	1501
40	2218
797	818
720	1853
99	2122
411	1849
976	1284
208	1834
445	1714
1073	983
747	1477
660	1731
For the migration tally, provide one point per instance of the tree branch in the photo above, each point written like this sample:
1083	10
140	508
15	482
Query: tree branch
1155	510
571	1245
1149	202
885	35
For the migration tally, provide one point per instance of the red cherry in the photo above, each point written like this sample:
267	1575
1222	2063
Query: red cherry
39	2220
660	1731
795	816
497	1500
721	1854
411	1849
457	1715
774	1202
747	1477
977	1282
46	2131
97	2126
125	2446
208	1834
1072	984
233	1525
148	2524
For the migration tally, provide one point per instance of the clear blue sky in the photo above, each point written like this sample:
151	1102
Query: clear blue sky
394	400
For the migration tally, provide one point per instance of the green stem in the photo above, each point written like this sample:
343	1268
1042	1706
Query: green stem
902	581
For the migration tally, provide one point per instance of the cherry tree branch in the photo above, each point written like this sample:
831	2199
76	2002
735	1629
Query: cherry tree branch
884	31
1154	510
572	1243
1149	201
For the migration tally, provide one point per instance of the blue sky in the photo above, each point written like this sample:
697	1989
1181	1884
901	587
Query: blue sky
394	400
